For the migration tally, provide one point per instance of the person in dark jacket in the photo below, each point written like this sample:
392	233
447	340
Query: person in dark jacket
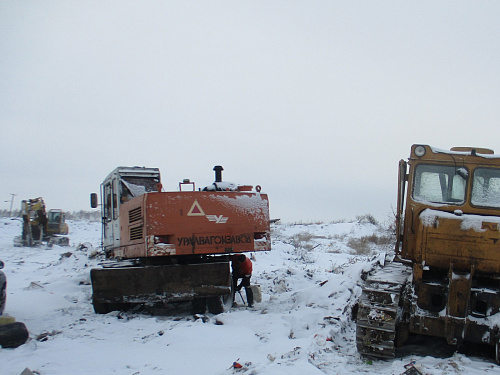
242	269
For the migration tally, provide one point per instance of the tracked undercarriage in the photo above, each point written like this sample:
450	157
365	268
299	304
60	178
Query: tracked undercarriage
380	313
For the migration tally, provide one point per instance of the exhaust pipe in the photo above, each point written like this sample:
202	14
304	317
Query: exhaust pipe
218	173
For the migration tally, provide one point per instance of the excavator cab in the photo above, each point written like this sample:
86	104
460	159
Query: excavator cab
41	226
57	222
119	187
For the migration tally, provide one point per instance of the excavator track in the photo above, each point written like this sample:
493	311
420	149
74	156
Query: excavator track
379	312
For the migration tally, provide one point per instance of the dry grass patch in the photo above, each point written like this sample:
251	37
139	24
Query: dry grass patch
363	245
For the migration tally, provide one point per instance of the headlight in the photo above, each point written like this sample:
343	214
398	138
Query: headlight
420	151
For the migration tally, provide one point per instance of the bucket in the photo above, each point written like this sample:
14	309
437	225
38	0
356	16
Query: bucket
257	293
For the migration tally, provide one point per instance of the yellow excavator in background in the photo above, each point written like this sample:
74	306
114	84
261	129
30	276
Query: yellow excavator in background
40	226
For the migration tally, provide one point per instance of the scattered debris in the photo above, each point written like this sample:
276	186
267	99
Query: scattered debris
66	255
203	318
27	371
292	353
411	369
34	285
89	249
331	319
239	367
44	336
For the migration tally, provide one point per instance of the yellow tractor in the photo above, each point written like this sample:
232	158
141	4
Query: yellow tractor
445	277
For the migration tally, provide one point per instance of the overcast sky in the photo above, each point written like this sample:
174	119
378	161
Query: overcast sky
316	101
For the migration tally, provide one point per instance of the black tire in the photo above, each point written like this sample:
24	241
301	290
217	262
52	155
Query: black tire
3	292
497	351
13	335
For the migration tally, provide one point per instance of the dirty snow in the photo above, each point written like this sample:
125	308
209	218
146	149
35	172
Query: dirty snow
310	281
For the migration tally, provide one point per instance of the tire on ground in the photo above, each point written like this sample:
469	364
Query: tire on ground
3	297
13	335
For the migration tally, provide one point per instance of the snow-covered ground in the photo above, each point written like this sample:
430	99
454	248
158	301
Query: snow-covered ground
310	281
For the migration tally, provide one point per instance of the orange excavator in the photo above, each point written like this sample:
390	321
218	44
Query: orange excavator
166	247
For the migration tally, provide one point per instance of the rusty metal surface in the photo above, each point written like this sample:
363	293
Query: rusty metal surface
452	238
448	240
186	223
459	306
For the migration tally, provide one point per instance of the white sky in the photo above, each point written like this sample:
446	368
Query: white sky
314	100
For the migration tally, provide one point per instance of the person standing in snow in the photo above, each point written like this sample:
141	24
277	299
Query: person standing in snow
242	269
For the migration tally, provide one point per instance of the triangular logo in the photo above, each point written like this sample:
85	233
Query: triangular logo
196	209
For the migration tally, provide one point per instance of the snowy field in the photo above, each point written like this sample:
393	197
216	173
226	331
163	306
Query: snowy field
310	282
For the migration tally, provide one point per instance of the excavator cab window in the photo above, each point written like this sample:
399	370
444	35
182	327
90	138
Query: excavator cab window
115	206
440	184
131	187
486	187
107	199
125	193
111	201
54	217
139	185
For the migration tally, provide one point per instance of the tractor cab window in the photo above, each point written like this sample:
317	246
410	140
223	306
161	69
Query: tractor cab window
486	187
440	184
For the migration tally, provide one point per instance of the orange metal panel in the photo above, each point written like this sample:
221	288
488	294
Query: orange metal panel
183	223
